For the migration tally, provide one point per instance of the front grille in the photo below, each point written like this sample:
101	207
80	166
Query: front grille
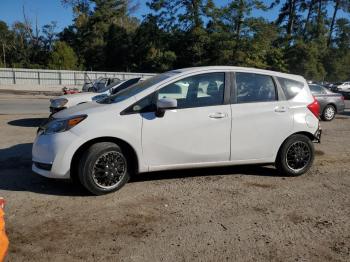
43	166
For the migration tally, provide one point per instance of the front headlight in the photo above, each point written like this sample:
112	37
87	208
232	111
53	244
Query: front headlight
99	97
58	103
61	125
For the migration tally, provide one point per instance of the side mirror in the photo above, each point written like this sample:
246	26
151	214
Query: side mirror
165	104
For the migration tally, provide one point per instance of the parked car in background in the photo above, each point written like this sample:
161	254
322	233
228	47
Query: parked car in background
66	101
330	103
343	88
99	84
329	86
70	91
186	118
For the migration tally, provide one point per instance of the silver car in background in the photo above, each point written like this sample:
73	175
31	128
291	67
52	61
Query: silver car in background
330	103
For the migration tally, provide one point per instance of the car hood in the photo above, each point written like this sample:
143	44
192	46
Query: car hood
90	108
82	109
75	99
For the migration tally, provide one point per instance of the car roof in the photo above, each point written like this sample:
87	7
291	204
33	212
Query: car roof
241	69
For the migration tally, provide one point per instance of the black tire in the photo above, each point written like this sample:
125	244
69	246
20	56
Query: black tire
327	114
92	163
289	165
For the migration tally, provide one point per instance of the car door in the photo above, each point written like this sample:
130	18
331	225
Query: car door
197	131
261	119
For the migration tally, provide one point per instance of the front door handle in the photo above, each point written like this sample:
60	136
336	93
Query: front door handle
280	109
217	115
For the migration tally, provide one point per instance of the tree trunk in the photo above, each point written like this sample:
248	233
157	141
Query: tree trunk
336	8
319	13
196	13
239	19
291	18
311	6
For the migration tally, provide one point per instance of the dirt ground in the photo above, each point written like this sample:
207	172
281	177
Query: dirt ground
218	214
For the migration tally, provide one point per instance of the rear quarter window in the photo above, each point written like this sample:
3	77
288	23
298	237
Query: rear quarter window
290	87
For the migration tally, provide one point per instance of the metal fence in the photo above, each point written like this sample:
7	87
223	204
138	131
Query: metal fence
18	76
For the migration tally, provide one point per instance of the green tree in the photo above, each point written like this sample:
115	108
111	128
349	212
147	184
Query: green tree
338	5
150	48
305	59
183	14
5	44
63	57
236	12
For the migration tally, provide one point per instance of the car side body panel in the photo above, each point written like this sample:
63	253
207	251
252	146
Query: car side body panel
59	149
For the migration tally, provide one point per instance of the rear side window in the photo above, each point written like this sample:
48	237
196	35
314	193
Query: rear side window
255	88
316	89
290	87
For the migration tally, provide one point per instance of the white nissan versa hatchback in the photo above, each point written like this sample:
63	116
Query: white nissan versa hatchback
188	118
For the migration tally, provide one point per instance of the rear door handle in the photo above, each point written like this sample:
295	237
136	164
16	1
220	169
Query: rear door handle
217	115
280	109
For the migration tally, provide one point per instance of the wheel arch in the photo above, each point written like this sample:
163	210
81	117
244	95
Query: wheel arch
122	143
305	133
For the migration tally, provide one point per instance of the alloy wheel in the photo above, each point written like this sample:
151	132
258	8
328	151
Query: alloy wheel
109	169
329	113
298	156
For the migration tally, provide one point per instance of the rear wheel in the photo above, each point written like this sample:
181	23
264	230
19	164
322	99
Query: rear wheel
103	168
328	113
295	156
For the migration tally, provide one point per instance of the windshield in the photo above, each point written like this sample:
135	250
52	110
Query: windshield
136	88
125	85
102	89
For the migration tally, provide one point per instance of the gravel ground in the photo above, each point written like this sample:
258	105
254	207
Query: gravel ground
233	213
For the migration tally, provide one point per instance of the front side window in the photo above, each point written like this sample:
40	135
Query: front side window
255	88
290	87
196	91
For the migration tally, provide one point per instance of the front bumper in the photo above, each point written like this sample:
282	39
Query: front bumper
52	154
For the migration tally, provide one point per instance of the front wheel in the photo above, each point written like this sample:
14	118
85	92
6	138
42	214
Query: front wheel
103	168
295	156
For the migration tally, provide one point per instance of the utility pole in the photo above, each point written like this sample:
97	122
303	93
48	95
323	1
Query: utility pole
3	51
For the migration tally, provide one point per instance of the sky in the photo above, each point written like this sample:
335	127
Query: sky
45	11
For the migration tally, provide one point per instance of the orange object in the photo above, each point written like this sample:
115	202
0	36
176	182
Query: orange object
4	242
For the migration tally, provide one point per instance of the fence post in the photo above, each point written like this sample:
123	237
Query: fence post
14	76
59	78
39	77
75	79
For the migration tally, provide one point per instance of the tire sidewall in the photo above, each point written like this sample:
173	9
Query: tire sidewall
324	113
87	164
282	158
